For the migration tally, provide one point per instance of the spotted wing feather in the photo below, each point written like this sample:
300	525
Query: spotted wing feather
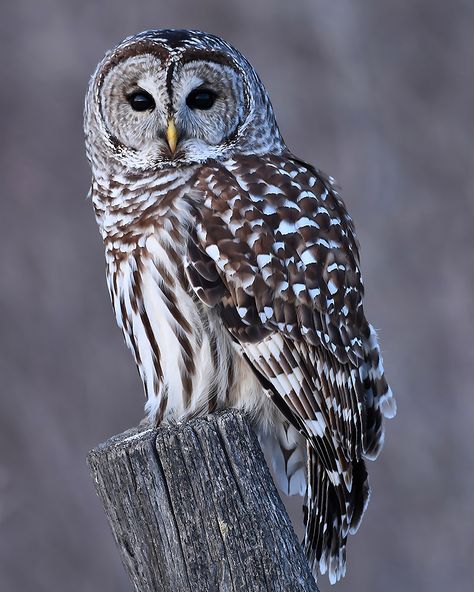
286	280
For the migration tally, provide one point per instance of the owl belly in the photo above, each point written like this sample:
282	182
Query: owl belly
187	361
179	347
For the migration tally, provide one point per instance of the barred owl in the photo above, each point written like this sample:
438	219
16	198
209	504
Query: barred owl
233	270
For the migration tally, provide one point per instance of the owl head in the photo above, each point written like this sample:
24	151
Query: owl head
169	98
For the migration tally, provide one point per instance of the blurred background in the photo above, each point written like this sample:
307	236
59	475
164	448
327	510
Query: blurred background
377	93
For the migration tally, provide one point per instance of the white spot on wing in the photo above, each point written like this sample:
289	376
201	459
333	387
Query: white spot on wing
307	257
263	260
286	227
213	252
298	288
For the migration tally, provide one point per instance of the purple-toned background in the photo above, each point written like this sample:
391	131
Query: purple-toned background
378	93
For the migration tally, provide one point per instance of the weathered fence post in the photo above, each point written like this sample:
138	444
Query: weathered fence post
193	508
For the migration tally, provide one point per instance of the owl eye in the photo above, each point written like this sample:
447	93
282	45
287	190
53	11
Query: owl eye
201	98
140	100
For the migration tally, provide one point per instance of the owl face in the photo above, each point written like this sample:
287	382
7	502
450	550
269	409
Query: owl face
164	98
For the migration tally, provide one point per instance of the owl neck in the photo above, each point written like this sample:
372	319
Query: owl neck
131	203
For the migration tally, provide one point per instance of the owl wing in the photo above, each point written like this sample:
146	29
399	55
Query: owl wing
274	248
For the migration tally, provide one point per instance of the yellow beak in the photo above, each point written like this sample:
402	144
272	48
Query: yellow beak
171	135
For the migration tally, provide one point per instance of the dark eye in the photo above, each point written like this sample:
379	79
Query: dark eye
140	100
201	98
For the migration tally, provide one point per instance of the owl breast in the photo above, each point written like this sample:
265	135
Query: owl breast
187	361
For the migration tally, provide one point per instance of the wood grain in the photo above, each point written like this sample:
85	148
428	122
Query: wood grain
193	507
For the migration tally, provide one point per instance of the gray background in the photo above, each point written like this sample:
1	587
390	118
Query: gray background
377	93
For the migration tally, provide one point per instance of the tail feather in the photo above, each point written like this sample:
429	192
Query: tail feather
331	512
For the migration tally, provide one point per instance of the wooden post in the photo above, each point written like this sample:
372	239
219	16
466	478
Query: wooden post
193	508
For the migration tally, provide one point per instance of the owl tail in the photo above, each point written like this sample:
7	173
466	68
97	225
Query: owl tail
331	512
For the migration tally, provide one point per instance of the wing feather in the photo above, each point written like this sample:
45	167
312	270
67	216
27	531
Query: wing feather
274	249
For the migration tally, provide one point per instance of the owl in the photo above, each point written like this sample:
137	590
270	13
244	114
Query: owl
233	270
